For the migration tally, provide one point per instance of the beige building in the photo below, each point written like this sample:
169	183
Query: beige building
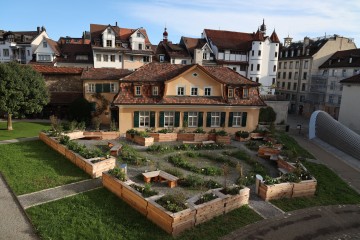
349	109
298	67
163	95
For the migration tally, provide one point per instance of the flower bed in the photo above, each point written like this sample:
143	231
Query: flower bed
223	139
93	169
92	135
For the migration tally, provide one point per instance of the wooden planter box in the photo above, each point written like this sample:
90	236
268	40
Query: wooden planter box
130	137
240	139
257	135
207	210
93	169
172	223
305	188
212	137
281	163
232	202
223	139
265	151
144	141
164	137
75	135
193	137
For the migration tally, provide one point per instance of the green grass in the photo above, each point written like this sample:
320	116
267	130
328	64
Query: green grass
99	214
290	143
331	190
22	130
33	166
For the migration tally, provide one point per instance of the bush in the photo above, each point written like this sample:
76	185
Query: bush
145	191
166	130
207	197
199	130
80	110
143	134
131	131
64	140
242	134
221	133
161	148
267	115
175	172
231	190
118	173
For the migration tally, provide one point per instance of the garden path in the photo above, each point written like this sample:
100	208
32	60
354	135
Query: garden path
19	140
53	194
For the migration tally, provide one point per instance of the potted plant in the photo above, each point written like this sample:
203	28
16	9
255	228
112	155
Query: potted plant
242	136
222	137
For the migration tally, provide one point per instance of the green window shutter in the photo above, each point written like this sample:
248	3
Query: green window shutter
243	119
208	119
200	119
152	119
185	120
161	119
222	119
231	116
98	87
106	87
93	106
136	119
177	119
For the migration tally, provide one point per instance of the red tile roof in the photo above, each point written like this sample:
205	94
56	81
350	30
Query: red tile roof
54	46
274	37
104	73
72	50
353	79
230	40
57	70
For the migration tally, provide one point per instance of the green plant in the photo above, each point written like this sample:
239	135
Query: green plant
242	134
253	145
267	114
173	203
143	134
192	181
113	126
131	131
56	127
64	140
166	130
221	133
118	173
96	123
160	148
130	155
81	125
207	197
231	190
145	191
270	181
199	130
175	172
211	184
212	131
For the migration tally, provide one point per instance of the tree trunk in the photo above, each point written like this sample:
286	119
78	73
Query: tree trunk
9	122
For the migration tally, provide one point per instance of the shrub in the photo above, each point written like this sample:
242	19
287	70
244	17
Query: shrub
81	125
161	148
267	114
176	172
113	126
64	140
145	191
242	134
199	130
130	155
118	173
253	145
221	133
131	131
143	134
211	184
166	130
231	190
173	203
192	181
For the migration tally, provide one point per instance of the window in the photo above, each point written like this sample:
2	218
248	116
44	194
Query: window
339	100
109	31
279	75
306	64
140	46
82	57
274	68
307	51
169	119
251	67
207	91
146	59
283	85
292	53
344	72
332	85
297	64
28	52
112	58
290	75
144	119
44	58
183	61
173	61
181	91
237	116
276	54
109	43
257	79
138	34
131	58
295	86
119	58
302	98
284	75
303	87
258	67
98	57
259	53
252	53
215	119
245	93
194	91
230	92
288	86
192	119
285	65
90	88
331	98
205	56
137	90
280	63
273	81
112	88
296	76
106	58
234	68
325	72
161	58
45	44
291	65
155	90
305	75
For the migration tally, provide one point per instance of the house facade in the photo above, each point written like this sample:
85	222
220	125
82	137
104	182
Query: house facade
20	46
115	47
298	70
350	111
100	85
47	51
199	50
253	55
163	95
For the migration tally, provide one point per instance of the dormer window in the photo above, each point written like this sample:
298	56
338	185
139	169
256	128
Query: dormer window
161	58
108	43
138	34
45	44
140	46
137	90
307	51
245	93
109	31
230	93
155	90
180	91
194	91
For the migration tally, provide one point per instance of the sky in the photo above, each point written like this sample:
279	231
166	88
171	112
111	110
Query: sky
311	18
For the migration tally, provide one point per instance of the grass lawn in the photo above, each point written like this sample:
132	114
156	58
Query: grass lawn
22	129
99	214
33	166
331	190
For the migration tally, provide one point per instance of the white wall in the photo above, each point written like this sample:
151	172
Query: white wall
350	111
47	51
108	36
109	63
135	41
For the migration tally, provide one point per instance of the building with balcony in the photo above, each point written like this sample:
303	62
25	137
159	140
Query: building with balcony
298	77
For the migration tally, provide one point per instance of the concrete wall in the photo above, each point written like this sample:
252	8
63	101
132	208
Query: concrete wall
281	109
350	111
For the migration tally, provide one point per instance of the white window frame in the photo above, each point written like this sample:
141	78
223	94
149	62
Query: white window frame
245	93
194	91
237	118
44	44
112	58
106	57
137	91
44	58
215	119
207	91
205	56
161	58
169	119
180	91
144	119
193	119
90	88
155	90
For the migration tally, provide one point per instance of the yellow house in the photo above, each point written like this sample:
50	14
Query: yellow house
162	95
100	85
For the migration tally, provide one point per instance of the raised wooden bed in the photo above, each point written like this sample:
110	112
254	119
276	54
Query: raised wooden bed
195	137
223	139
265	151
257	136
93	169
144	141
93	135
164	137
240	139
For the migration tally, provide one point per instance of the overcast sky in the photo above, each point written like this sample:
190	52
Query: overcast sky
312	18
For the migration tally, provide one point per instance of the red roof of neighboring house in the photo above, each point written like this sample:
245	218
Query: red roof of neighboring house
104	73
274	37
57	70
346	58
54	45
70	51
230	40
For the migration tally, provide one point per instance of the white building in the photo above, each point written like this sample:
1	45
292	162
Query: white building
253	55
47	51
20	46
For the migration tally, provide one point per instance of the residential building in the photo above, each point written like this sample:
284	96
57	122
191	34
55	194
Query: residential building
325	86
253	55
85	39
20	46
47	51
164	95
116	47
168	52
350	111
298	66
199	50
75	55
100	85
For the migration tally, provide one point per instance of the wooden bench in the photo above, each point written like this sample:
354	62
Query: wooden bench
208	142
114	148
160	176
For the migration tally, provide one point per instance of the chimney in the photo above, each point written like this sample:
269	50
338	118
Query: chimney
38	29
305	44
116	24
